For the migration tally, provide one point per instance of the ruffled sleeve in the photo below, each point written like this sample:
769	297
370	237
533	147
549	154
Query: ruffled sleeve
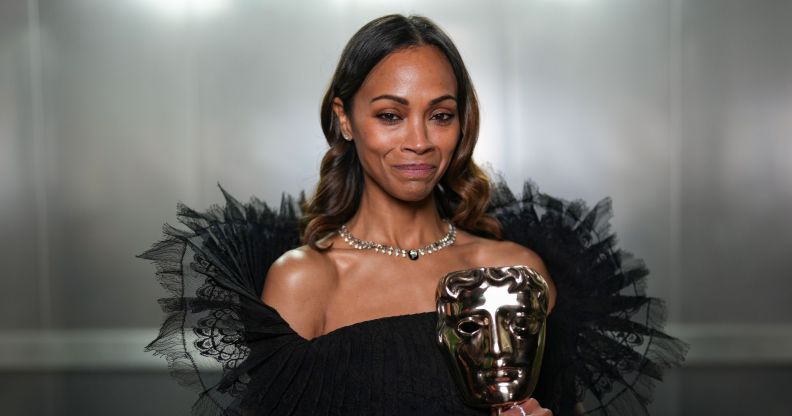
217	330
605	345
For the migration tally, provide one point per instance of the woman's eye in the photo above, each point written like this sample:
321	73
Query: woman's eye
443	117
388	118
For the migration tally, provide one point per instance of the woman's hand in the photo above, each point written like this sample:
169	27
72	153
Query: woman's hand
530	407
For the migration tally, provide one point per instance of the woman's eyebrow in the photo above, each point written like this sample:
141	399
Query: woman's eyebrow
404	101
442	98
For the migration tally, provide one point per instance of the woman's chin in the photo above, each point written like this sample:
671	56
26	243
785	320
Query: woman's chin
413	193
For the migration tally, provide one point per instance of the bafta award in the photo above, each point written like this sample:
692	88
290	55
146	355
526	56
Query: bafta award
491	328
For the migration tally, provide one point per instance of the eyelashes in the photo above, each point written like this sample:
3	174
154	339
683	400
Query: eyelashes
389	118
442	118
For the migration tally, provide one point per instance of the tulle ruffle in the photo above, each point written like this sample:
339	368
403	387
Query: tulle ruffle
605	340
605	344
214	272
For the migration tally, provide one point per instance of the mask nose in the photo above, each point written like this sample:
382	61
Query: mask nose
500	342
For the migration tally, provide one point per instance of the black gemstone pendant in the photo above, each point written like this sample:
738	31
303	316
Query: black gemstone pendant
413	254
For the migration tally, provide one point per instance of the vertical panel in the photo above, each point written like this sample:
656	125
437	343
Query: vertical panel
735	390
124	394
19	256
736	161
93	394
26	394
118	95
260	72
588	113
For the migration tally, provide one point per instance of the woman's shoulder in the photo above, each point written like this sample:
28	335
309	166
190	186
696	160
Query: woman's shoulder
490	252
300	263
297	286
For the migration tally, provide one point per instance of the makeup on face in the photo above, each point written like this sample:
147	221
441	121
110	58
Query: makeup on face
405	122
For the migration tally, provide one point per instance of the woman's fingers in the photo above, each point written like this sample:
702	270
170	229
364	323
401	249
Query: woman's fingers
530	407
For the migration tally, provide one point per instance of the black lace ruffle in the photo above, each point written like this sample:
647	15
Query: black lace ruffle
605	346
605	335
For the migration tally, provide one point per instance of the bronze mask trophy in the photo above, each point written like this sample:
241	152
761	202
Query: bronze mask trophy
491	328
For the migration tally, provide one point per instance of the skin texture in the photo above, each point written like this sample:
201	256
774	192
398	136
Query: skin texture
404	113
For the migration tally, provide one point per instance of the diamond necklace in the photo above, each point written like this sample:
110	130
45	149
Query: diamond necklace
412	254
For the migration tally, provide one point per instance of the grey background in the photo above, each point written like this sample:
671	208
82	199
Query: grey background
112	111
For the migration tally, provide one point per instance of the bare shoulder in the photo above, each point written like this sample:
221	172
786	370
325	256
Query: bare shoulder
508	253
496	252
300	268
297	285
488	252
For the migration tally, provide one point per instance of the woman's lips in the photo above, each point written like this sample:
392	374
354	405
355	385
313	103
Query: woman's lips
415	170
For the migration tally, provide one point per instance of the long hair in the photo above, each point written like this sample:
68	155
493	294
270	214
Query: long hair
462	193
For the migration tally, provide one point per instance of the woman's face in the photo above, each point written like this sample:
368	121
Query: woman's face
404	122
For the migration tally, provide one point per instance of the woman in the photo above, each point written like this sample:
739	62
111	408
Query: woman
401	121
345	323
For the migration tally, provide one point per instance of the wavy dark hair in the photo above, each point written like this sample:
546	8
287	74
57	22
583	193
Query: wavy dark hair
464	190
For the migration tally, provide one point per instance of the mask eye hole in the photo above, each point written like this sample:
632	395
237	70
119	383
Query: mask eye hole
468	328
524	325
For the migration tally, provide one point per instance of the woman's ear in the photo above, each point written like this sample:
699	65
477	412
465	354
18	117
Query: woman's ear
343	120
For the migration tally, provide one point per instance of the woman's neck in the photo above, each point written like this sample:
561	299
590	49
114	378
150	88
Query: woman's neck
381	218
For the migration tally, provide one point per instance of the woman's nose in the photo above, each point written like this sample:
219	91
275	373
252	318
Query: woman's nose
416	138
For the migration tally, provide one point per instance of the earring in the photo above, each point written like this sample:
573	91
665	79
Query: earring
347	138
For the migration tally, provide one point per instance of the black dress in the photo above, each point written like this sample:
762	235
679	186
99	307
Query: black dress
604	345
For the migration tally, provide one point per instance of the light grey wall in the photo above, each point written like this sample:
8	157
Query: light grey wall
112	111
